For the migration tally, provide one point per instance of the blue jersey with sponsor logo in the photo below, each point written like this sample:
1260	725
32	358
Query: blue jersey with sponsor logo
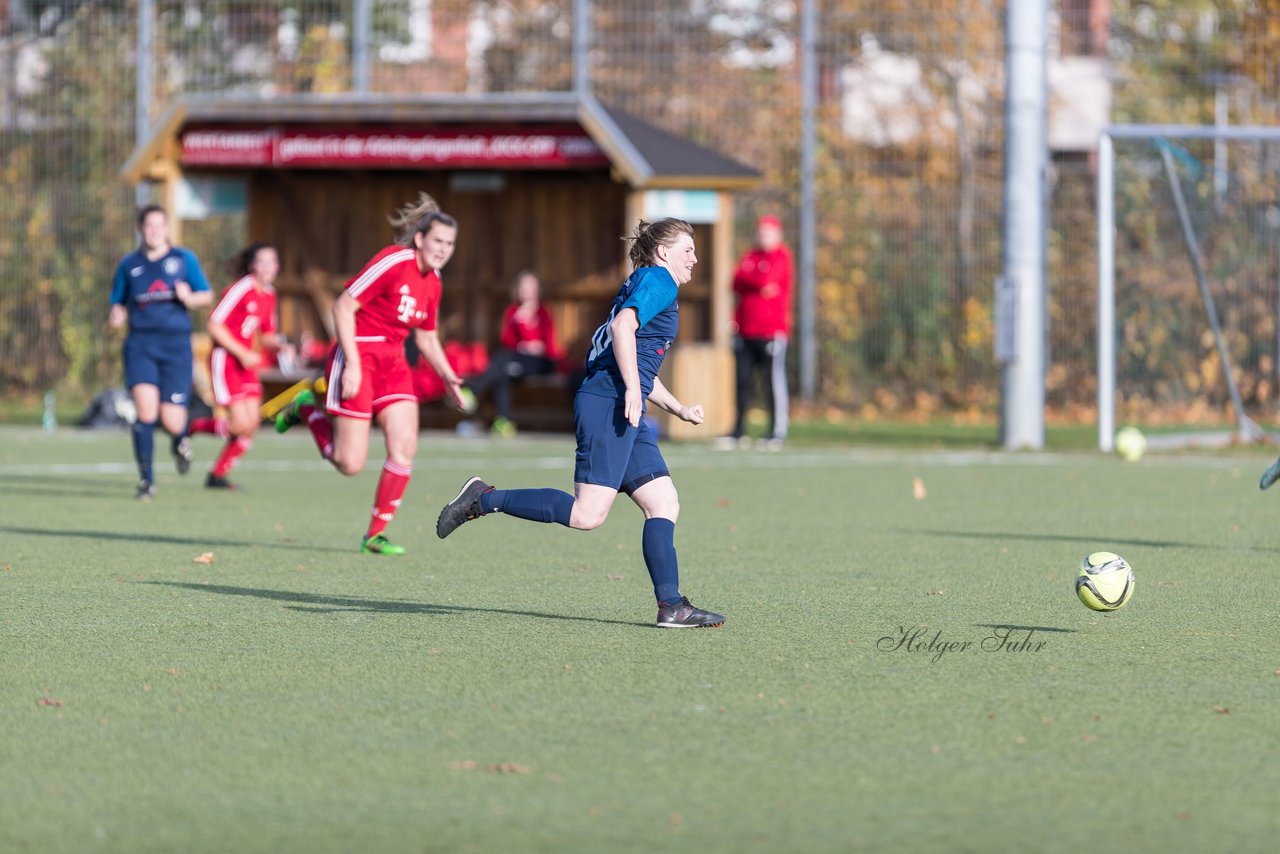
652	292
147	289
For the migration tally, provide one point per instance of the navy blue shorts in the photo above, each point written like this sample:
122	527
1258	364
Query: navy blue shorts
611	452
163	361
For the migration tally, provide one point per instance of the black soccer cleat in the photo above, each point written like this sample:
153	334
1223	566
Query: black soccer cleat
146	490
685	615
213	481
1270	476
463	508
183	455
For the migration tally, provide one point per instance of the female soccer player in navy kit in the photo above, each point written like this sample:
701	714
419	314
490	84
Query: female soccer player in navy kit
617	452
242	327
155	286
368	375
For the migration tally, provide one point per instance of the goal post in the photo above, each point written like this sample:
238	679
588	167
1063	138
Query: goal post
1106	217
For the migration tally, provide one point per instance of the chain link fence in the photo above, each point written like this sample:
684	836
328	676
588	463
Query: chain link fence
909	159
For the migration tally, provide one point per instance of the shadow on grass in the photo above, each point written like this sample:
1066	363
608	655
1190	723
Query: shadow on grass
69	486
1072	538
1018	628
151	537
48	488
316	603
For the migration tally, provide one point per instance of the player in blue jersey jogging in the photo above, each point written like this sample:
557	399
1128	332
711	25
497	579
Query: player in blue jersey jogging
617	452
155	287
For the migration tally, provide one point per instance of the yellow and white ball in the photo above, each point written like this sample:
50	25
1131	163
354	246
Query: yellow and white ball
1131	444
1105	581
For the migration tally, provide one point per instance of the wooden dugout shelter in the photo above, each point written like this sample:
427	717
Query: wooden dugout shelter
548	182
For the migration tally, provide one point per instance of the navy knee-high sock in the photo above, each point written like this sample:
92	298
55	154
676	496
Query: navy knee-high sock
144	446
659	545
536	505
181	434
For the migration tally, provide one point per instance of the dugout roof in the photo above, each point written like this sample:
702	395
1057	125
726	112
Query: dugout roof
641	155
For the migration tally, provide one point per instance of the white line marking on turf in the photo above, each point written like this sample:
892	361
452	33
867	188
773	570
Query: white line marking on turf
437	457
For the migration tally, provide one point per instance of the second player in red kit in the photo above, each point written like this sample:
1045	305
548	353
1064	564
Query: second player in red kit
396	293
243	327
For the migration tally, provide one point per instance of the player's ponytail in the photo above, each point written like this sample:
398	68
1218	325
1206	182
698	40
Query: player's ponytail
417	218
648	236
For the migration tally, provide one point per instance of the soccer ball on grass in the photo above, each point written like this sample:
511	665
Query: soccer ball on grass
1104	582
1131	444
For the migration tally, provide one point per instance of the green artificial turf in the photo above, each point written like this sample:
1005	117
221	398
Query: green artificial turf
506	690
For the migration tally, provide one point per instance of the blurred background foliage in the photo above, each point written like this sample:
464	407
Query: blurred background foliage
909	166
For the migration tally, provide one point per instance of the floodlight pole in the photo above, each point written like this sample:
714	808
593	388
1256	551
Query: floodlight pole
1024	227
145	64
582	47
361	27
808	237
1106	293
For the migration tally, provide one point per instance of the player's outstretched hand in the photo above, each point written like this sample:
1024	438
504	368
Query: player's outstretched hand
182	291
633	406
457	397
692	414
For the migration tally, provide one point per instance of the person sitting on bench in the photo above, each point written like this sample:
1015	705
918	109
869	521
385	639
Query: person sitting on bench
528	348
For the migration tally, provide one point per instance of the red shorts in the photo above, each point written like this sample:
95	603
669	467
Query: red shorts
385	379
231	380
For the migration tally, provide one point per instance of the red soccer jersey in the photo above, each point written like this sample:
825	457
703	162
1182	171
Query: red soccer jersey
516	330
763	285
394	296
246	311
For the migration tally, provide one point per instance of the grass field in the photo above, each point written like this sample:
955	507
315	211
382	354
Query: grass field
505	689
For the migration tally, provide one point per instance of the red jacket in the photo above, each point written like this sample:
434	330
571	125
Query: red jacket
516	331
763	285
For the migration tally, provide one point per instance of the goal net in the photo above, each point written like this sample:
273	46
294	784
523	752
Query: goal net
1189	282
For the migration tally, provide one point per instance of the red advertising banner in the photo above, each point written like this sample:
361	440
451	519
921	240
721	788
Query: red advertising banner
541	148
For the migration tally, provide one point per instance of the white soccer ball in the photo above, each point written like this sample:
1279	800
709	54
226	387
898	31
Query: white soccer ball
1104	581
1131	444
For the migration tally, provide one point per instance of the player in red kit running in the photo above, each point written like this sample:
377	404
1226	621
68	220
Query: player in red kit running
242	326
762	283
398	291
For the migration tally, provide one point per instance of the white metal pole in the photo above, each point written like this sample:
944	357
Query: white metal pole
362	26
808	237
582	46
1106	294
1025	221
144	65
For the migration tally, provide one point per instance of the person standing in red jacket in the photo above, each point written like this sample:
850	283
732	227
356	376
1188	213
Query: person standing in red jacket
528	348
762	283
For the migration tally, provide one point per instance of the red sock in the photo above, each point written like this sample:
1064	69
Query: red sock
214	426
391	486
232	451
321	429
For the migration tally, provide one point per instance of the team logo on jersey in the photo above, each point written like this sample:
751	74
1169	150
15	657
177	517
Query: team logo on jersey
172	266
408	308
158	292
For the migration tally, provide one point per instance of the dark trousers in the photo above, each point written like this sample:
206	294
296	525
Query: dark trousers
506	368
767	356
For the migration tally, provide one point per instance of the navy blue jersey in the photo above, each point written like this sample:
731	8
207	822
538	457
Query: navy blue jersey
146	289
652	293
